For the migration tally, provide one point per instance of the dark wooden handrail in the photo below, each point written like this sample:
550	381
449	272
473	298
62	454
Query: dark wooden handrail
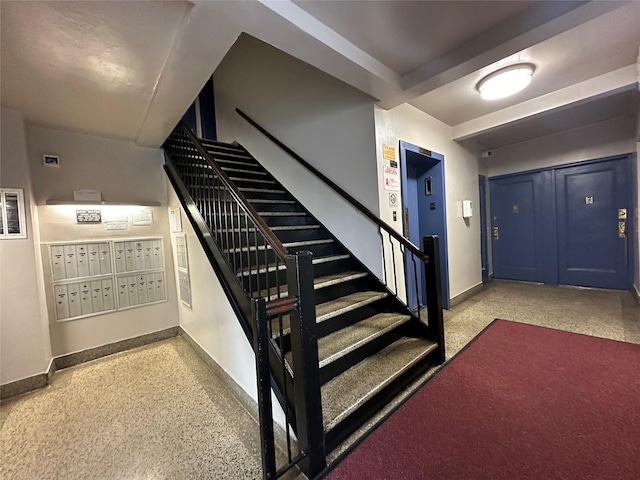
359	206
279	249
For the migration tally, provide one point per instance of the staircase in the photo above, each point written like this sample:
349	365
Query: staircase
369	344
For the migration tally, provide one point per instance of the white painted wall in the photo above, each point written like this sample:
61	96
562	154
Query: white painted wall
210	320
613	137
327	122
406	122
25	348
123	172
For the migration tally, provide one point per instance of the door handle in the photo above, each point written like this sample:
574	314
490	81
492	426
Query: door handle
622	228
622	232
496	233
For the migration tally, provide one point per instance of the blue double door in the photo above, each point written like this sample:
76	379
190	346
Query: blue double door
565	225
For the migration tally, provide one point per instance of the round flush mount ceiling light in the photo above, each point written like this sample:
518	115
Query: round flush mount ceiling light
506	81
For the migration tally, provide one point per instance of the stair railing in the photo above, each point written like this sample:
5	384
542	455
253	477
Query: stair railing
240	245
416	262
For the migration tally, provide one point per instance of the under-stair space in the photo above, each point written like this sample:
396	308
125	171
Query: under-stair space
369	344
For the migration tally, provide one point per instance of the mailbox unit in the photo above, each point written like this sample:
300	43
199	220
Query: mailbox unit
96	277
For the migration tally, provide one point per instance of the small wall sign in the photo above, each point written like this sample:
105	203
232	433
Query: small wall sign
89	216
388	152
141	218
50	160
391	179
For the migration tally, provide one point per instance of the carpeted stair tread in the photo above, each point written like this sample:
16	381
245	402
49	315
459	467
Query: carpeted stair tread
325	311
348	339
350	390
348	303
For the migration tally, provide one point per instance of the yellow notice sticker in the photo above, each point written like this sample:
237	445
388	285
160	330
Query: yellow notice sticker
388	152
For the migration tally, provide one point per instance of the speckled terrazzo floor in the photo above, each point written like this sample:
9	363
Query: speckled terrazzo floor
602	313
152	413
158	412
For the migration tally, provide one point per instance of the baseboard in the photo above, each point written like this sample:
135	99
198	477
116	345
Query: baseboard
71	359
28	384
458	299
41	380
247	402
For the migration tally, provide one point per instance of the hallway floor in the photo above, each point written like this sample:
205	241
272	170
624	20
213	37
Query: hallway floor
602	313
158	412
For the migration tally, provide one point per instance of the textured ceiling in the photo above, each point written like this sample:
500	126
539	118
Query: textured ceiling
130	69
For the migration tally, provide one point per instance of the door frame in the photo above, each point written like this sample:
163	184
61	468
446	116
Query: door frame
484	254
408	202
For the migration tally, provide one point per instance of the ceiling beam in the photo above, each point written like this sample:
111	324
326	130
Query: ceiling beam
610	83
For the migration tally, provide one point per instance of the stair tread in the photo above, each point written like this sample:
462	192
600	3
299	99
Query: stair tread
242	170
318	283
277	228
235	162
282	266
215	144
271	200
282	214
333	308
348	339
344	394
253	180
301	243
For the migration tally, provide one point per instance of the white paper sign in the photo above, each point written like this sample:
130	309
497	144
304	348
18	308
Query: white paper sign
391	179
175	220
144	217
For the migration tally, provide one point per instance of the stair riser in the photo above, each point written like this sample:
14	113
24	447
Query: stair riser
230	170
268	257
283	205
287	236
334	292
332	268
221	158
284	236
279	278
341	321
266	195
241	180
255	283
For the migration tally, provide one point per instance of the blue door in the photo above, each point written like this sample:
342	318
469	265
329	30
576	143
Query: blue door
592	204
516	227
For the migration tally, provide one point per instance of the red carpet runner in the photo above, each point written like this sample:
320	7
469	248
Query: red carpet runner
521	402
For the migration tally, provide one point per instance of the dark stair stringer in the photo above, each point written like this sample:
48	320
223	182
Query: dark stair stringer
370	345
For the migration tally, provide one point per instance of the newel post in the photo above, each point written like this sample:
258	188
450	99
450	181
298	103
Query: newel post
431	246
306	370
263	374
